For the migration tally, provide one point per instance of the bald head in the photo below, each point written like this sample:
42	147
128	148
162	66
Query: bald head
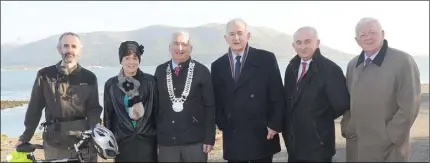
311	32
306	42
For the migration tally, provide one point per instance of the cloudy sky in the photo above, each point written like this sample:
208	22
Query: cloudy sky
406	24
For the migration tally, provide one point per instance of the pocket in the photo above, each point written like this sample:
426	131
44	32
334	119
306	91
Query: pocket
320	140
65	138
79	94
388	143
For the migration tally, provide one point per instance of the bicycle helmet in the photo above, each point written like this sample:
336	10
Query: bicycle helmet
104	142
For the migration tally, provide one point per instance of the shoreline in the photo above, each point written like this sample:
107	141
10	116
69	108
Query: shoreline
8	104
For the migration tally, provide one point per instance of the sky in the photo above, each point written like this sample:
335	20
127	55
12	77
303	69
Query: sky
406	24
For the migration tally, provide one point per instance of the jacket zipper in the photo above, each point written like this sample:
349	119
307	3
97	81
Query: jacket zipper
195	120
318	135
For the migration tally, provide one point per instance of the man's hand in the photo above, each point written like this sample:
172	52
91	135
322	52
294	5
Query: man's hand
207	148
270	133
18	143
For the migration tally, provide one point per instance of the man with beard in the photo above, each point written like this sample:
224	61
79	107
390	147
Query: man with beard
69	94
316	93
249	98
186	122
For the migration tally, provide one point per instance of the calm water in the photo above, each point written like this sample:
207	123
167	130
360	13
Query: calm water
17	84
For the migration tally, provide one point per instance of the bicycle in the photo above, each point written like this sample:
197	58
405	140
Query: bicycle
84	137
102	138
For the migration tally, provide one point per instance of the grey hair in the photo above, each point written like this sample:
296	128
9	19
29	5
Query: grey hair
67	34
177	34
312	29
367	20
237	20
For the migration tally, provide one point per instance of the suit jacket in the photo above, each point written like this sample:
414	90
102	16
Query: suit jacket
313	104
244	109
196	122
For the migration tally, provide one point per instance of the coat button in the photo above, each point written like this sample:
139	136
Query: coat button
173	121
174	89
252	95
173	138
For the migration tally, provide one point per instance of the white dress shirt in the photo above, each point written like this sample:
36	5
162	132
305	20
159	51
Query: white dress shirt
301	67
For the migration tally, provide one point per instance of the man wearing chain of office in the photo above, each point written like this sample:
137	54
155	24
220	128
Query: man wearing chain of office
185	121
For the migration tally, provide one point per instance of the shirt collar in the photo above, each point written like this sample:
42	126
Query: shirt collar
174	65
233	56
372	56
308	61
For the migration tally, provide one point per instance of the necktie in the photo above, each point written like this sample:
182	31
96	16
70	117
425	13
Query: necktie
304	64
368	60
237	68
177	68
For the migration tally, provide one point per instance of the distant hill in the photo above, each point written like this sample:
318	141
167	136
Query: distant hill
7	47
101	48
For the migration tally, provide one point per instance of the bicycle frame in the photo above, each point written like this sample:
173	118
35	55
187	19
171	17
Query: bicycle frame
84	136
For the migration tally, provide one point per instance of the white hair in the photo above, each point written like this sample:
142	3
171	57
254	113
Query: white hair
177	34
312	29
367	20
237	20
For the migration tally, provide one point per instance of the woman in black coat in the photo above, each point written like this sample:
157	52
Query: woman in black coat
130	104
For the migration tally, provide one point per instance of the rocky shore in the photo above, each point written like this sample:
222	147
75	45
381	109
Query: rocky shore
12	103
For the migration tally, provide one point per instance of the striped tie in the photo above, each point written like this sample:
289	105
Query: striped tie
304	64
368	60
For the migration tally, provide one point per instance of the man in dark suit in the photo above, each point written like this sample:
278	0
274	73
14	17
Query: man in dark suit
185	122
248	97
316	93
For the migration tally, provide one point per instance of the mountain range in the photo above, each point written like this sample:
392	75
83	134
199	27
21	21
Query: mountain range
101	48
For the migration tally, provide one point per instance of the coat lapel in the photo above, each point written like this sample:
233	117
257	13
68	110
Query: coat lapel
226	73
307	78
248	69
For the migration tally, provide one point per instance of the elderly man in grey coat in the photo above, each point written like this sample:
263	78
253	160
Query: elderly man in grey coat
384	85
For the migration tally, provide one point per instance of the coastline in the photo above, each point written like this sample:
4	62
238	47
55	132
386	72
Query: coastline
7	104
10	104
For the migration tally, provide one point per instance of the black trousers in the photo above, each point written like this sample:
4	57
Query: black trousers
292	159
265	159
137	150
